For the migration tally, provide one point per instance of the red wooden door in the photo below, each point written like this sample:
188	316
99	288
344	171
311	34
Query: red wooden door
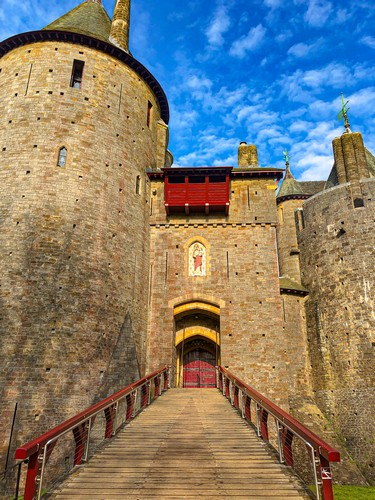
199	369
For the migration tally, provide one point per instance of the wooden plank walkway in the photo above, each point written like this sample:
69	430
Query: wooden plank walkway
190	443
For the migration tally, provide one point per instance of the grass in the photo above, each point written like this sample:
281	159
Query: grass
344	492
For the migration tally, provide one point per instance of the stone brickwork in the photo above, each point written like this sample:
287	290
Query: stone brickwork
120	24
242	280
338	267
287	243
295	344
74	243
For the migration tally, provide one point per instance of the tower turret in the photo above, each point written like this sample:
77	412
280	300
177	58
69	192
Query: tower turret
289	203
247	155
120	24
84	126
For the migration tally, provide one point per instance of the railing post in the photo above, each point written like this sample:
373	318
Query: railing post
326	477
110	415
19	470
315	464
33	469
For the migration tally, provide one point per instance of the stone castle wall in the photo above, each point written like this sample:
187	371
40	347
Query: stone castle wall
242	279
287	243
338	267
74	240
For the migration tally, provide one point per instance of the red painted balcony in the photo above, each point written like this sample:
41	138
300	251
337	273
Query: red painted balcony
196	190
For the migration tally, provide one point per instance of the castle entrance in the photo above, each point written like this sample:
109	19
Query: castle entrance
197	327
199	366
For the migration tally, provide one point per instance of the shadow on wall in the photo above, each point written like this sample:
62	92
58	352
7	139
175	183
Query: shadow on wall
123	367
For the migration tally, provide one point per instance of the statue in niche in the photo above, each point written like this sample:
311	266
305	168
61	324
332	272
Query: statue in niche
197	259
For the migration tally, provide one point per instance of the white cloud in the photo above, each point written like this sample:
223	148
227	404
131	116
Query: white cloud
303	49
249	42
316	167
219	25
183	120
363	102
194	83
369	41
318	12
301	84
274	4
211	149
284	35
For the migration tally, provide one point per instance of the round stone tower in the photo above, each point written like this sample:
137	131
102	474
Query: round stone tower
81	121
336	242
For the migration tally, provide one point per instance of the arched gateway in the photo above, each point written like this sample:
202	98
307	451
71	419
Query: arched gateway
197	341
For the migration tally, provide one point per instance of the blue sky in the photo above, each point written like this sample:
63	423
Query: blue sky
267	72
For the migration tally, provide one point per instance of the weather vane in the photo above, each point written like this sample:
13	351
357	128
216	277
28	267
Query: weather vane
344	113
286	156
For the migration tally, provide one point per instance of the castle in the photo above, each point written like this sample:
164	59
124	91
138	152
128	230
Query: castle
114	262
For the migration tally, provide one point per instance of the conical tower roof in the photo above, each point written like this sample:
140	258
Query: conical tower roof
88	18
289	186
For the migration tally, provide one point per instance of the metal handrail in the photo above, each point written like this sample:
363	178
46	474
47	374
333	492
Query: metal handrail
37	451
321	451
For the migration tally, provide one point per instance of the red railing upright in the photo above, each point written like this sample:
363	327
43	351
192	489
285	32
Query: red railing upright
135	397
287	427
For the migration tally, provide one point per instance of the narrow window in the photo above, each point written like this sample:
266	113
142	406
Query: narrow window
77	73
62	157
149	113
138	184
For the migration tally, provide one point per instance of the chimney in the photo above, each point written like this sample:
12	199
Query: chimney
120	24
247	155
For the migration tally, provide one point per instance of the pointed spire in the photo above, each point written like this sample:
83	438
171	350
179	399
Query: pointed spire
88	18
289	185
120	24
288	173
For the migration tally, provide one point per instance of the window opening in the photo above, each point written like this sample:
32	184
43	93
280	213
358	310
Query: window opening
61	162
138	184
77	74
176	179
149	113
197	179
217	178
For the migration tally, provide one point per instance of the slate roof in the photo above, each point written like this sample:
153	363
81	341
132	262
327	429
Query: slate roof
312	187
88	18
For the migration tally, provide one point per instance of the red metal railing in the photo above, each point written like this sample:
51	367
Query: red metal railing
134	398
321	454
